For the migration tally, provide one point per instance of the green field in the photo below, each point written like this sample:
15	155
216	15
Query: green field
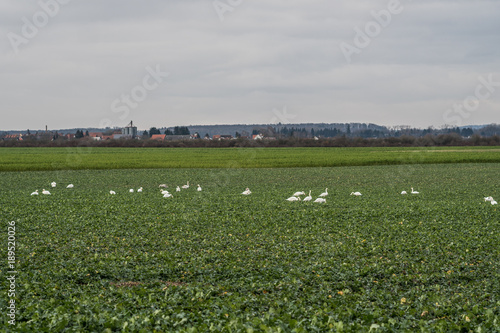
219	261
78	158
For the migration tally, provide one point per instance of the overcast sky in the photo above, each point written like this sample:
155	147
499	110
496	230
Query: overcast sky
91	63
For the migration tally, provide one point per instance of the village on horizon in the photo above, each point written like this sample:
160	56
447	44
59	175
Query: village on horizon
241	131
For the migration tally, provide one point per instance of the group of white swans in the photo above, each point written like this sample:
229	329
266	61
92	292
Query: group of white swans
294	197
163	191
320	199
412	192
167	194
46	192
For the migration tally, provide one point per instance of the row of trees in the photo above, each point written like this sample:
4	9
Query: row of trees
284	132
429	140
79	134
178	130
378	132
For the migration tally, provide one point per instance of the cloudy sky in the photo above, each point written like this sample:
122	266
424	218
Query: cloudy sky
76	63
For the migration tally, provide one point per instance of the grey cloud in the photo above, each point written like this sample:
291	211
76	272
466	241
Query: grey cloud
264	55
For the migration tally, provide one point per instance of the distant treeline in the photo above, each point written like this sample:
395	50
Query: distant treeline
333	132
428	140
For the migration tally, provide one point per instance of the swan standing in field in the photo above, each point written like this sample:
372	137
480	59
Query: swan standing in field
53	184
168	195
140	189
324	194
35	193
178	189
356	193
293	199
296	194
404	192
199	188
246	191
413	191
44	191
491	200
320	200
112	192
70	186
309	197
186	186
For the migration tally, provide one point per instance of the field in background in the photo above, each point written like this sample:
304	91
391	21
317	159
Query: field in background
33	159
217	260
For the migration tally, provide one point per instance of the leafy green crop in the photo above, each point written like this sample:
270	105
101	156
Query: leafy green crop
219	261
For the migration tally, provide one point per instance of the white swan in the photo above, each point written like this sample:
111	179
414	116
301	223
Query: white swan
320	200
413	191
112	192
356	193
168	195
493	202
44	191
199	188
140	189
164	192
162	186
309	197
246	191
404	192
488	199
296	194
53	184
324	194
35	193
186	186
70	186
131	190
178	189
293	199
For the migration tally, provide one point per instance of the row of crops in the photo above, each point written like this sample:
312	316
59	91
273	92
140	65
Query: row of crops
80	158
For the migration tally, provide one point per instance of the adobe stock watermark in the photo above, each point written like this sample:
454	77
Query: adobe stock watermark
31	26
372	29
225	6
138	94
11	272
282	116
459	112
123	105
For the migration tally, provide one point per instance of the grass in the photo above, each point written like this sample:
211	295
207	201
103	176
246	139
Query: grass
219	261
40	159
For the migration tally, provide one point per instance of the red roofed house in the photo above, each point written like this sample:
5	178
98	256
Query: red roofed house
14	137
159	137
96	135
222	137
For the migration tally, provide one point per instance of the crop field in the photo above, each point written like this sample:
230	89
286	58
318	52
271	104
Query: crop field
79	158
216	260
